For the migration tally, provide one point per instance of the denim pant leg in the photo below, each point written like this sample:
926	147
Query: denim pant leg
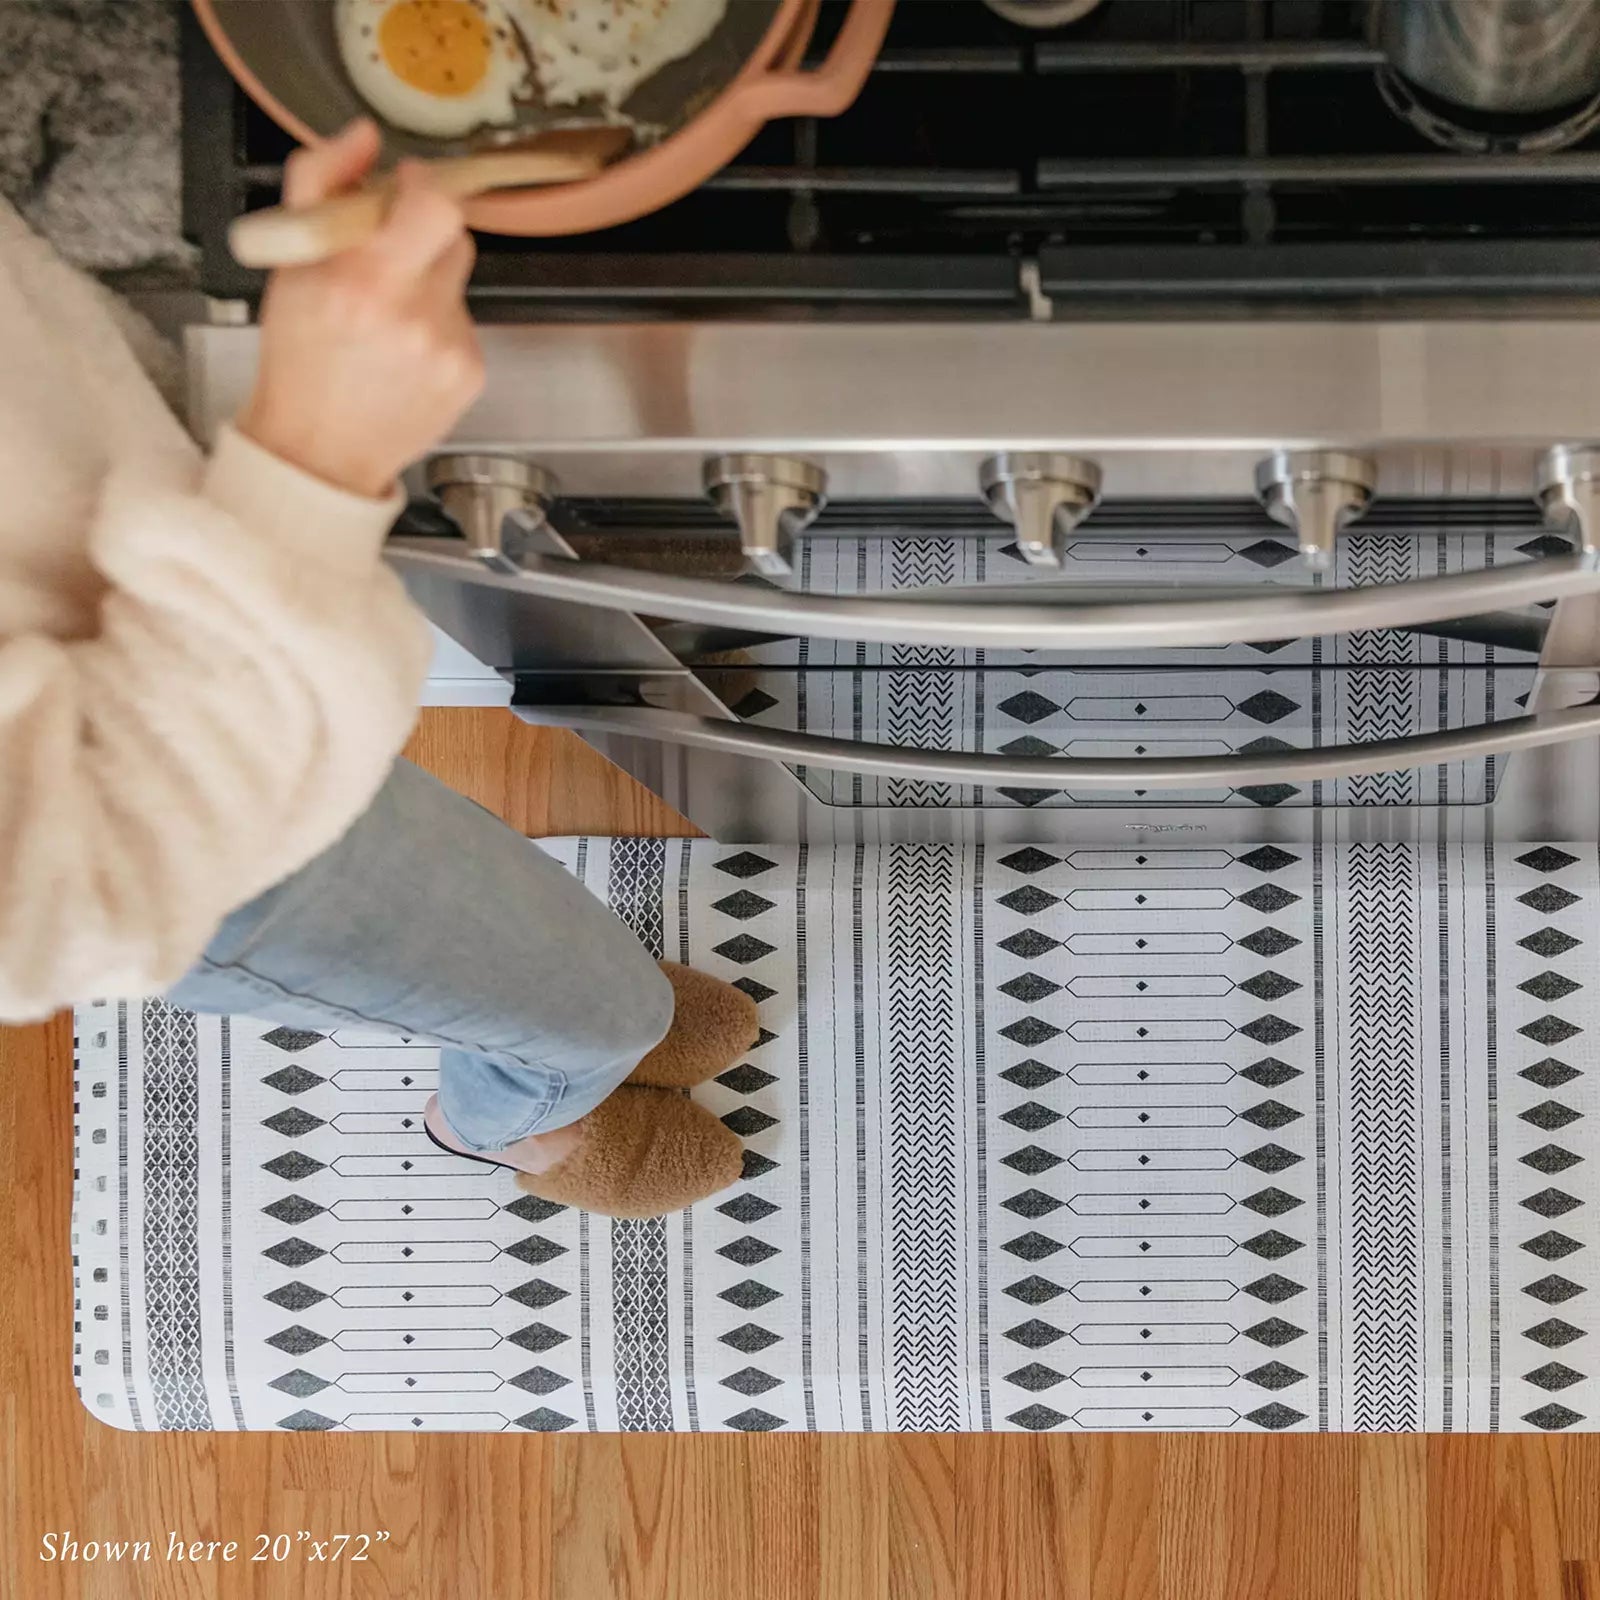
433	919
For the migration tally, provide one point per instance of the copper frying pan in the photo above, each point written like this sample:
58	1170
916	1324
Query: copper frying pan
704	108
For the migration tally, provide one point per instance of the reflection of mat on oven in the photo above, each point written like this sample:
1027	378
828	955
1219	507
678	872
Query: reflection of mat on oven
1114	1139
1291	694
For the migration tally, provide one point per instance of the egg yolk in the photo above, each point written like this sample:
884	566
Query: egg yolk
440	47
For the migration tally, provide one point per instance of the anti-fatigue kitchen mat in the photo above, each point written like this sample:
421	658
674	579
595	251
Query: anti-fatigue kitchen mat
1036	1138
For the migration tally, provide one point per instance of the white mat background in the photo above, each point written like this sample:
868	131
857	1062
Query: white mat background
1042	1139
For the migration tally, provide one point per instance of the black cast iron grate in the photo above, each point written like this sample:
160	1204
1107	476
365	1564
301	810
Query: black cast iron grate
1160	152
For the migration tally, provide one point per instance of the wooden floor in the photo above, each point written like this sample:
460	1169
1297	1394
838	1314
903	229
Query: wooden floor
919	1517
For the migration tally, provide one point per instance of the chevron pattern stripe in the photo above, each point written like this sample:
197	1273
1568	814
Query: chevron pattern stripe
1379	891
922	705
1379	705
920	712
924	1038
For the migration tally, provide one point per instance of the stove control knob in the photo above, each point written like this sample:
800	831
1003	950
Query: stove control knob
1566	483
1316	493
1044	495
501	505
771	498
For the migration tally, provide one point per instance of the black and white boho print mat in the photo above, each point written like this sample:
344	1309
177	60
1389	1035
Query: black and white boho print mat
1037	1138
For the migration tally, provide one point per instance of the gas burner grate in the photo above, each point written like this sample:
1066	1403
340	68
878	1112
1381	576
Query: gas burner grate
1167	151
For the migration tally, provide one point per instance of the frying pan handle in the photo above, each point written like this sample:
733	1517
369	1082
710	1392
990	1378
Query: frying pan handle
832	86
284	237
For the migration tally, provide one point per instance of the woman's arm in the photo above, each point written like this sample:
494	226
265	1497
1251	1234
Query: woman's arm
256	667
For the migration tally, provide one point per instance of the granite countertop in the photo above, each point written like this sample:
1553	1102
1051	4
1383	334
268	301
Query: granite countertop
89	128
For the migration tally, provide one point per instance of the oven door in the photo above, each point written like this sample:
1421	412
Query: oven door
757	732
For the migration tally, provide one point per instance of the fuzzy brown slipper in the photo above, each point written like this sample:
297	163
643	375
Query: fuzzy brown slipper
644	1153
713	1024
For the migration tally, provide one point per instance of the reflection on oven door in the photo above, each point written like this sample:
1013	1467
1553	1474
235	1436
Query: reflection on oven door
1291	694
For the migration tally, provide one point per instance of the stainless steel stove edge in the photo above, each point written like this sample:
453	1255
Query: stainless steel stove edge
1167	409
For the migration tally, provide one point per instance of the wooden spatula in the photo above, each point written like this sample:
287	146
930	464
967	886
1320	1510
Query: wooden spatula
281	237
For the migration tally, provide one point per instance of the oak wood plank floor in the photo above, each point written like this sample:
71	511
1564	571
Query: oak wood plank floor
764	1518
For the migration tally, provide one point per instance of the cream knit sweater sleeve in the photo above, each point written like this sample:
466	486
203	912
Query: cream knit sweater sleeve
254	672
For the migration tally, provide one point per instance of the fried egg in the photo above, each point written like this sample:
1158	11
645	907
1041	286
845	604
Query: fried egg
438	67
604	49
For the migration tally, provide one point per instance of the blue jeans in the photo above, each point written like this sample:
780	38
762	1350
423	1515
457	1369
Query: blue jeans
431	918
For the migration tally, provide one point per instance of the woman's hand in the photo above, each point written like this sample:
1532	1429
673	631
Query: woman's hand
368	359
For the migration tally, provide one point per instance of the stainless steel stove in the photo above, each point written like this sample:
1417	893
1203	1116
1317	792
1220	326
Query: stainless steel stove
1214	462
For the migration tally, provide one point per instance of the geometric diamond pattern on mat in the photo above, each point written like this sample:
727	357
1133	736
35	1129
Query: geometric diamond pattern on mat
1050	1137
1028	707
171	1229
1553	1418
1274	1288
749	1338
746	1079
1547	859
1550	1158
292	1165
1275	1417
292	1040
747	1208
295	1296
748	1120
1274	1332
293	1079
754	1213
1553	1333
1270	1072
1128	1148
1545	968
1553	1289
1545	544
742	905
1267	553
299	1383
307	1422
1268	897
292	1123
1274	1375
1270	1114
1549	986
1550	1073
1267	794
1550	1115
1267	706
1549	898
755	1420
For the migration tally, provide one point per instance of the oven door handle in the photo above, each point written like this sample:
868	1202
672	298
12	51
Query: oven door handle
1063	772
1077	625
